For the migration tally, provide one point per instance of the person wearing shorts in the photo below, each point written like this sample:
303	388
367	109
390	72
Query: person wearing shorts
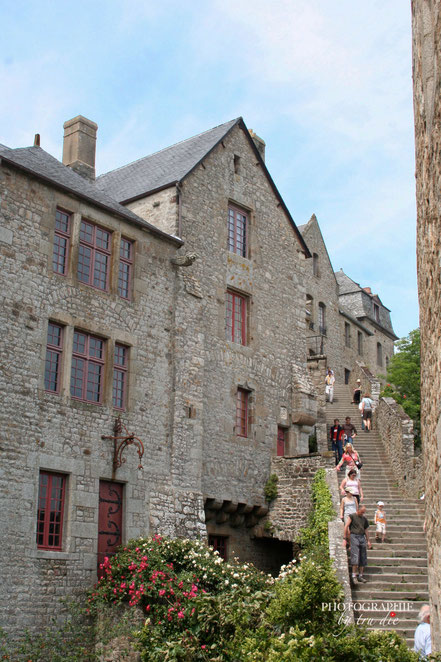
356	530
380	521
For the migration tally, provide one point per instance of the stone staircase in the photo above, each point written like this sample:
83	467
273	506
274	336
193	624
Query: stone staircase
397	569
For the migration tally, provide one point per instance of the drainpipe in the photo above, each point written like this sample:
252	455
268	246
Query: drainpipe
179	194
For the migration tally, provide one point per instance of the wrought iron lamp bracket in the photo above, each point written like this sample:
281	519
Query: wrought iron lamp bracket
121	439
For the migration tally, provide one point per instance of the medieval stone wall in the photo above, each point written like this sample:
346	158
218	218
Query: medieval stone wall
289	512
45	431
236	467
426	16
322	287
396	432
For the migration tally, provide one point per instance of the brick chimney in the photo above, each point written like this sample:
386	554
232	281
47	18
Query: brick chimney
260	144
79	146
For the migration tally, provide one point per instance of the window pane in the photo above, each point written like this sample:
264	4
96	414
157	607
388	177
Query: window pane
93	389
124	280
86	232
50	510
118	388
51	371
242	413
100	270
76	378
54	335
79	343
59	254
125	250
102	239
96	347
84	261
62	221
120	357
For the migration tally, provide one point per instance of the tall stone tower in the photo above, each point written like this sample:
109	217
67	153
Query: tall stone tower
426	17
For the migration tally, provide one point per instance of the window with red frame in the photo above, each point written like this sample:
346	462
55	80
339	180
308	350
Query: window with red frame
51	493
242	412
237	231
219	544
61	242
88	358
120	368
125	268
94	255
54	350
236	318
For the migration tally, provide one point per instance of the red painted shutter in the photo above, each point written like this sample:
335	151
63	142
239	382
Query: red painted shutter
109	519
280	441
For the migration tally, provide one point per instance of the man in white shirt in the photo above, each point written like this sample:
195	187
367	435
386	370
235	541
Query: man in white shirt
423	642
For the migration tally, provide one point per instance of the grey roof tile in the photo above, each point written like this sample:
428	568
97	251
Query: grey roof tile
162	168
36	161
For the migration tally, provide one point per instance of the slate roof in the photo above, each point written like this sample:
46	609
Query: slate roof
163	168
37	162
172	164
345	284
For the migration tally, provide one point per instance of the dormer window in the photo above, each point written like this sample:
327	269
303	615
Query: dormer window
376	312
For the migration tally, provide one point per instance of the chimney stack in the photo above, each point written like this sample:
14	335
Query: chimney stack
260	144
79	146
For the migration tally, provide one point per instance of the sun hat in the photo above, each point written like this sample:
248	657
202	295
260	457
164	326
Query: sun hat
380	503
350	490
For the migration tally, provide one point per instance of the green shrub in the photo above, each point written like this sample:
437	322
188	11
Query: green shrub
315	535
270	488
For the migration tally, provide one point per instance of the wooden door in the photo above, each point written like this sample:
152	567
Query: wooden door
281	438
109	519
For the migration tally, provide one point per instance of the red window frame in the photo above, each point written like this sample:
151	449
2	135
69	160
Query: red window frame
242	401
120	376
54	352
60	253
238	231
50	514
125	270
219	544
95	249
236	317
88	361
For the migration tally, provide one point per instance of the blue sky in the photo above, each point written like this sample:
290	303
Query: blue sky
326	84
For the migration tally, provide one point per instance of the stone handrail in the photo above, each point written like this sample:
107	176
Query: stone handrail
396	432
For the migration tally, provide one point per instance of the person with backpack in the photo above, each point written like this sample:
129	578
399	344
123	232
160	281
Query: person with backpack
366	410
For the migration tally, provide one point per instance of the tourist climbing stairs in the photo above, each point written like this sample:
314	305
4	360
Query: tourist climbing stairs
397	569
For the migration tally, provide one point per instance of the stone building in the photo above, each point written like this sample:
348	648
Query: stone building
114	341
366	326
345	322
426	23
158	309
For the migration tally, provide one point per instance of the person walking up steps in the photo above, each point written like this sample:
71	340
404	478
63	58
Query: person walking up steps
356	531
380	521
329	388
366	410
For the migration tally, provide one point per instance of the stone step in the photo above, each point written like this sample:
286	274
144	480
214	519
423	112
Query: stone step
401	567
392	556
373	592
394	578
